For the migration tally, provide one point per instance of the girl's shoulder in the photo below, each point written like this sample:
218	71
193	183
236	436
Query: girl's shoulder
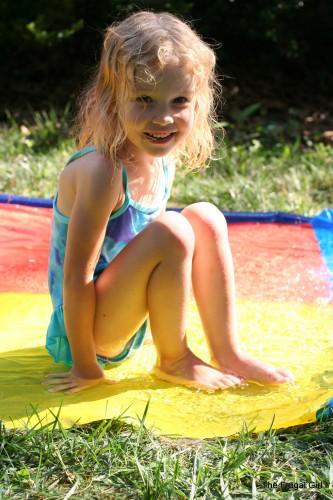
91	167
88	175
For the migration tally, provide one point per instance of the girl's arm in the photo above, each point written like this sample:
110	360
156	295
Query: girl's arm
97	191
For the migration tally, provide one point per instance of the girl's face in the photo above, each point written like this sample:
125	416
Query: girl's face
160	112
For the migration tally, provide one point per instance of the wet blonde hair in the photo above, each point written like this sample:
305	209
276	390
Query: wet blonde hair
148	40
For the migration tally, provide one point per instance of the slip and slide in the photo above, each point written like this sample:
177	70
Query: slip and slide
284	278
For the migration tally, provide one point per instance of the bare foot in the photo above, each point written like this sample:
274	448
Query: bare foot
191	371
254	370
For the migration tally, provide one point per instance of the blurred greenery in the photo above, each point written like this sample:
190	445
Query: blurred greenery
274	49
258	166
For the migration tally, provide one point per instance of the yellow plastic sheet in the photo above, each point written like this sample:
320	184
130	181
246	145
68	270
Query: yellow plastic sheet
294	335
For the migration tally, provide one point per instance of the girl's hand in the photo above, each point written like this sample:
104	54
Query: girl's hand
71	383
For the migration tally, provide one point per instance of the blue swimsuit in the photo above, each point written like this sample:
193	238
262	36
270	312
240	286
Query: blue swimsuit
122	227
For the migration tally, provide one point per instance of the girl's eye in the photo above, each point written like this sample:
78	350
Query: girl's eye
180	100
145	99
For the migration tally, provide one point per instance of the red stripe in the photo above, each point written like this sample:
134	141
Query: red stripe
272	261
24	247
278	262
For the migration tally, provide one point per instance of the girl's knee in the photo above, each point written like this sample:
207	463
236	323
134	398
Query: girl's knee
205	217
175	231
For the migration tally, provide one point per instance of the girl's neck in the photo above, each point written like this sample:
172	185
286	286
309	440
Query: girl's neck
138	160
146	182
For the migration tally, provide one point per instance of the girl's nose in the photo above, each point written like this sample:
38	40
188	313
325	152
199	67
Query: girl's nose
163	117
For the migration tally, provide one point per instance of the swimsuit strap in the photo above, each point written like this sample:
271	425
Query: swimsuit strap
80	153
128	199
139	206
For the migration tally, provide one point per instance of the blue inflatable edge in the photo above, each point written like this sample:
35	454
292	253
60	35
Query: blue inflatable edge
326	411
323	227
26	201
280	217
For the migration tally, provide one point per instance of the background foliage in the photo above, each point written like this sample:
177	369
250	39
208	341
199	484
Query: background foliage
277	50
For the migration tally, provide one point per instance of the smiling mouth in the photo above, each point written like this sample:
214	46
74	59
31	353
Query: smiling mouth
159	138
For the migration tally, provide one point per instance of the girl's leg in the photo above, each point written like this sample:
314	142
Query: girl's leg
152	274
214	291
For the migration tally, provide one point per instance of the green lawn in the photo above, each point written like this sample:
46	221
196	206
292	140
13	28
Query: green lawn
260	169
267	169
114	460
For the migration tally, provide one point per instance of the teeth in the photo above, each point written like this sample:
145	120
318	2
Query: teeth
159	136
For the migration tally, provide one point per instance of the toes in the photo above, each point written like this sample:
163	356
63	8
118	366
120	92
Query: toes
178	380
285	374
228	381
265	373
274	375
211	385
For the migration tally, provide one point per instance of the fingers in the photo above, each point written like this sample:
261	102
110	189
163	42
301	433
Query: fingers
77	389
63	387
58	375
65	381
71	384
69	387
56	381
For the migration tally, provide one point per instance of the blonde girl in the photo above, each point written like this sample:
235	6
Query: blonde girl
117	257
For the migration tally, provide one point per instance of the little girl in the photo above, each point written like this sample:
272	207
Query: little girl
116	255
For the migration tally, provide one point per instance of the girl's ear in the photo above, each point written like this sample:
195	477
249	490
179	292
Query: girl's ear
196	104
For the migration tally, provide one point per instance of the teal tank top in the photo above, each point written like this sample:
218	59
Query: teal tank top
122	227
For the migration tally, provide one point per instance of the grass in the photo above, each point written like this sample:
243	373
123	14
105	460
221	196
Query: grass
32	154
263	167
114	459
283	179
270	168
